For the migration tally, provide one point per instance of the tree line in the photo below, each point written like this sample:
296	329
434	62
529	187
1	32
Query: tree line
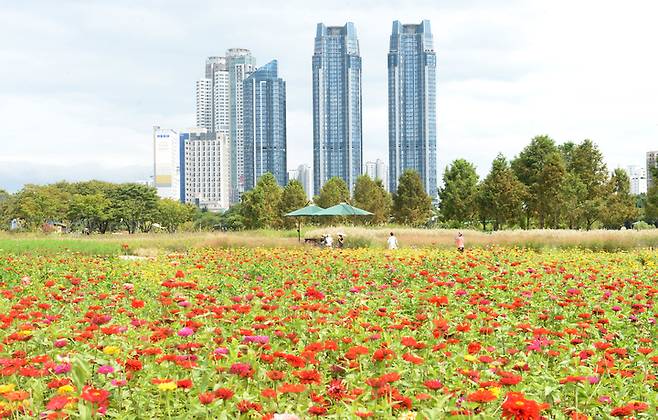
565	186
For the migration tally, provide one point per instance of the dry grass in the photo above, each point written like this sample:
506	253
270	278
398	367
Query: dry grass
150	245
445	238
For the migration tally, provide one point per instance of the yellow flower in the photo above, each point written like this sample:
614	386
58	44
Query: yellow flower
65	389
111	350
495	390
25	333
409	415
470	358
7	388
167	386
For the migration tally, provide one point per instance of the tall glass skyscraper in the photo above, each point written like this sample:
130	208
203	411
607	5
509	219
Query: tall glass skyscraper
337	141
412	104
264	101
240	65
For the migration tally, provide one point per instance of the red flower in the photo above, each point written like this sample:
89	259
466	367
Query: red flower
184	383
268	393
242	369
292	388
95	395
481	395
433	384
57	402
308	376
517	407
316	410
223	393
275	375
206	398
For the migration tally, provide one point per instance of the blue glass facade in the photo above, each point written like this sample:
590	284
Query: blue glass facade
264	99
412	104
337	139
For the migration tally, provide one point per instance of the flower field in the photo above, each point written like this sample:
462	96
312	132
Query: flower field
261	333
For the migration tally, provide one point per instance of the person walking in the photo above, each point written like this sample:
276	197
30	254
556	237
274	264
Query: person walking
459	241
341	241
329	241
392	242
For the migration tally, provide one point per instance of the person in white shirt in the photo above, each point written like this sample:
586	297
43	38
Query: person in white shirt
329	241
392	242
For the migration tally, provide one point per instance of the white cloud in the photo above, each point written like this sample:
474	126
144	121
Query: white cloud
82	84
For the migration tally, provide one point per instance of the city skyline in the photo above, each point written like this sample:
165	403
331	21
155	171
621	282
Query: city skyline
505	75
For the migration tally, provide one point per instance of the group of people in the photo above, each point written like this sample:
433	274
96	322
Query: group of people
328	241
459	241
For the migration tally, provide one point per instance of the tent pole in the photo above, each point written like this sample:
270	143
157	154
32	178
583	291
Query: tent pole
299	230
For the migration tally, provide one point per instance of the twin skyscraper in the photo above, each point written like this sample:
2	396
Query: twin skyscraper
337	104
243	107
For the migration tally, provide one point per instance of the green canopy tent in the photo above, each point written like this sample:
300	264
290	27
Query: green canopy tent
343	209
307	211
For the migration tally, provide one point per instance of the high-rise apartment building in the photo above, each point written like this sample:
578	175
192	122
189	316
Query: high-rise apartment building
204	101
412	104
637	176
337	138
377	170
652	163
240	65
212	100
264	103
303	174
204	169
166	163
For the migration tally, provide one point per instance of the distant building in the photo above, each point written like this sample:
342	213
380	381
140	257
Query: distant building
652	163
638	179
204	174
412	104
264	99
240	65
303	175
212	97
337	137
166	163
377	170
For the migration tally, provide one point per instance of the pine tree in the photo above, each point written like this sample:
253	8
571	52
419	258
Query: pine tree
459	192
372	196
411	204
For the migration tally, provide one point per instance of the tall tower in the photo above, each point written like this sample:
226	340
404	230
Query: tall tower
240	64
412	104
337	139
264	95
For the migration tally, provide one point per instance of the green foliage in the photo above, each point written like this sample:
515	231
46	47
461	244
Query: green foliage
261	207
170	214
411	204
372	196
651	206
134	206
540	167
500	196
620	209
458	195
333	192
293	198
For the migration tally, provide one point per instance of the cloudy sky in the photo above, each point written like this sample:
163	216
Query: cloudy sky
83	82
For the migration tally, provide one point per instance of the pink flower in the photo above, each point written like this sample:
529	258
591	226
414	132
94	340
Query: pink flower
63	368
119	382
184	303
105	370
185	332
220	351
259	339
60	343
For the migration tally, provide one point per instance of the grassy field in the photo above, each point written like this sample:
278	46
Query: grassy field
153	244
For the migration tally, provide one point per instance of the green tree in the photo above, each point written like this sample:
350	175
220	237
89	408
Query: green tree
459	192
91	211
372	196
232	218
540	167
170	214
37	204
333	192
411	204
585	162
620	209
500	195
293	198
261	206
133	206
